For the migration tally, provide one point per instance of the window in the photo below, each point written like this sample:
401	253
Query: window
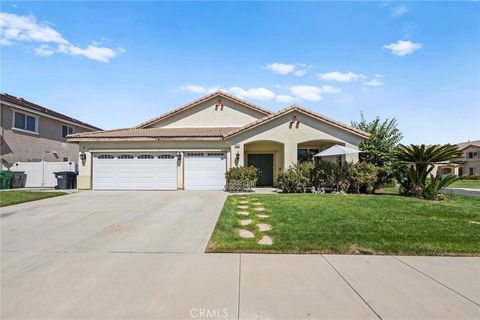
165	156
66	130
65	159
460	172
105	156
306	154
145	156
24	122
471	155
125	156
471	171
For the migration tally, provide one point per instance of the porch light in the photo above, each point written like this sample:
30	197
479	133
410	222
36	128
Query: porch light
179	156
83	156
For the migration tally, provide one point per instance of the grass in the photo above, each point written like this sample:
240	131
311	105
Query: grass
469	184
8	198
353	224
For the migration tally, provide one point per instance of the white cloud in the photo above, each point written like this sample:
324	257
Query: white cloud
330	89
285	98
339	76
310	93
373	83
44	50
198	89
281	68
399	10
403	48
300	73
252	93
17	29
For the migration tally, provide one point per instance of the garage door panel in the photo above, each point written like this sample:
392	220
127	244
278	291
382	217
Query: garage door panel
135	172
205	171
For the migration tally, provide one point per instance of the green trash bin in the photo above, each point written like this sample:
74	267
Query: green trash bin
6	179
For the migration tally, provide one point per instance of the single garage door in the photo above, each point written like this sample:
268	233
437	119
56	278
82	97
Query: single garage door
205	171
140	171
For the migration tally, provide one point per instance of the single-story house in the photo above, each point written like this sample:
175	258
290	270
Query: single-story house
191	147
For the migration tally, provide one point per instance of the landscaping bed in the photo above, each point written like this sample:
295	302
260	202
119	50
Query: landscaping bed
351	224
8	198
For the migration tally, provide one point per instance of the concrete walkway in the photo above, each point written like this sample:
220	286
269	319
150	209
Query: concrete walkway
464	191
96	256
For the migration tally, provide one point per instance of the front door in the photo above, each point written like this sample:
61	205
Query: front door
264	165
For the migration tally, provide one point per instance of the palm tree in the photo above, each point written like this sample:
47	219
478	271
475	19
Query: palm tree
422	160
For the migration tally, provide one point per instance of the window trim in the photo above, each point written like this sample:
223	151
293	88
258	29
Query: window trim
25	114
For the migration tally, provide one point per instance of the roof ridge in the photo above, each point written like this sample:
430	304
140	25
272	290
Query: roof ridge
199	100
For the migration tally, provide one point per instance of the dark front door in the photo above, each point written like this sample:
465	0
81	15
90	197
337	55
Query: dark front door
264	165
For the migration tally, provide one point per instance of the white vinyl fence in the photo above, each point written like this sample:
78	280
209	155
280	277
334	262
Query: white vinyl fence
41	174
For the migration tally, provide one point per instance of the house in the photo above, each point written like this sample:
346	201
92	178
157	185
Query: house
469	165
190	148
31	133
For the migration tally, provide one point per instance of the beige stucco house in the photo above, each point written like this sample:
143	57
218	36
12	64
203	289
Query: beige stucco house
190	148
468	165
31	133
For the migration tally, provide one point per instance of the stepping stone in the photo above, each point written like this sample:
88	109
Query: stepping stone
243	202
243	197
266	241
242	207
263	216
257	203
476	222
243	213
245	233
259	209
245	222
264	227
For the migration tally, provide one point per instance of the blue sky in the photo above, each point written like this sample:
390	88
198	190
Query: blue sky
117	64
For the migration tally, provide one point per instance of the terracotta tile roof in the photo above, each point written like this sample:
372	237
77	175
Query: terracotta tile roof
135	134
35	107
464	145
202	99
295	107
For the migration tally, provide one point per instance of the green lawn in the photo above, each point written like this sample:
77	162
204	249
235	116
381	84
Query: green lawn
7	198
469	184
367	224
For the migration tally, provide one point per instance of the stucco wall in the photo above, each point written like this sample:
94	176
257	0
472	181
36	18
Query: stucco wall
24	146
207	115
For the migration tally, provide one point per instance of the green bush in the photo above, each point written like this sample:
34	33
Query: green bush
472	177
433	189
296	178
324	175
241	179
362	177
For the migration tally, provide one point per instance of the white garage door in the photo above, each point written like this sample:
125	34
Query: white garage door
141	171
205	171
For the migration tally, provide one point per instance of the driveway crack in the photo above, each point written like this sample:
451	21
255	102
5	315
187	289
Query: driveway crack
437	281
348	283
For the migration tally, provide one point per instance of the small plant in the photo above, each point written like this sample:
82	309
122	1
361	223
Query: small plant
433	189
362	176
296	178
323	175
241	179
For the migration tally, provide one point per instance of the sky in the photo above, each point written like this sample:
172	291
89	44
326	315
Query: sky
118	64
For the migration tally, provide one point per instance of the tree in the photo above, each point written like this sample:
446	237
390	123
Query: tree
422	160
379	148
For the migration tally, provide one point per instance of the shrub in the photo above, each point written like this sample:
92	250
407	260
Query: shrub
433	189
296	178
323	175
241	179
362	176
472	177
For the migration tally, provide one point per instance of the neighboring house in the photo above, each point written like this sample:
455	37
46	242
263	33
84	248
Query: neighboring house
190	148
31	133
469	165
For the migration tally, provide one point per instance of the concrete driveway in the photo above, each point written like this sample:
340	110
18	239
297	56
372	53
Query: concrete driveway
139	255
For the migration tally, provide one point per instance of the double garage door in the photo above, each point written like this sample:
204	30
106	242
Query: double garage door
158	171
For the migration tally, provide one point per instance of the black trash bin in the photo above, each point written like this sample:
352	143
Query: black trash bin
66	180
18	179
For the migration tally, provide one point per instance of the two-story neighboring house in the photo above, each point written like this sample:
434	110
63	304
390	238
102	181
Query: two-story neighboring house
471	158
30	132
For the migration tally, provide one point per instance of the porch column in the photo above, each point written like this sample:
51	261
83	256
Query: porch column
290	151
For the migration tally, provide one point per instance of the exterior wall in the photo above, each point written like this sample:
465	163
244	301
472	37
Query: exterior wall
470	163
207	115
18	145
280	130
84	179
